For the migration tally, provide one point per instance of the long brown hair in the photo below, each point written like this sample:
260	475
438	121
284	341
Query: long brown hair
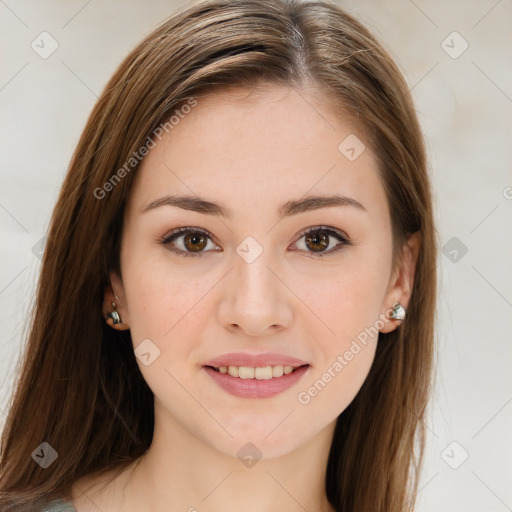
80	389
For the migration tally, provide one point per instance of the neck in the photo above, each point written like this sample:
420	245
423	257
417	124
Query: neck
180	472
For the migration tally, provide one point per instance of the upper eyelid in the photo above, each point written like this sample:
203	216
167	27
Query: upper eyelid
338	232
185	230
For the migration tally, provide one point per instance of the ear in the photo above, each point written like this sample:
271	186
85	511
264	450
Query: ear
114	294
401	282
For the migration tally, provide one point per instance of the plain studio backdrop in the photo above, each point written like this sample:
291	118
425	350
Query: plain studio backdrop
456	57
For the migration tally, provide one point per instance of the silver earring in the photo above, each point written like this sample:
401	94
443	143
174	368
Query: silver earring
398	312
116	319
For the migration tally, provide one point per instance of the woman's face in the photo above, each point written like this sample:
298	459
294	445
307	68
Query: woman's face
246	279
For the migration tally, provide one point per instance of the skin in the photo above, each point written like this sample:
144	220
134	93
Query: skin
252	153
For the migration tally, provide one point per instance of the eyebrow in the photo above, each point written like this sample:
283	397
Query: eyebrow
197	204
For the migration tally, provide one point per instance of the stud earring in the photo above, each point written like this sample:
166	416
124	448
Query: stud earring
116	319
398	312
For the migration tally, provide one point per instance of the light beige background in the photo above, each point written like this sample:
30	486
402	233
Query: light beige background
465	107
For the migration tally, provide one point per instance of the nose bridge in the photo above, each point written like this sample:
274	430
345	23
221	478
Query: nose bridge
258	298
255	283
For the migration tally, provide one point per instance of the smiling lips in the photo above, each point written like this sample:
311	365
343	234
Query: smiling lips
261	366
255	376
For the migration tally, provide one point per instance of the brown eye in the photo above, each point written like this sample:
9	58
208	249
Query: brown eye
194	242
188	242
317	241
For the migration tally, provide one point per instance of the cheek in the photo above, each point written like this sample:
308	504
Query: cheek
167	304
163	308
350	307
348	302
331	389
346	295
166	307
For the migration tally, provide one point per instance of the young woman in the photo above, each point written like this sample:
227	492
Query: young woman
236	302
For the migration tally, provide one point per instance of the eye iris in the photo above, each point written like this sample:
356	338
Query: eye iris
319	239
199	242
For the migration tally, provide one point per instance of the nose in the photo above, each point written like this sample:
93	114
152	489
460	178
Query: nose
255	299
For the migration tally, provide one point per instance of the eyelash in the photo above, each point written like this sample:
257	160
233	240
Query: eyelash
175	233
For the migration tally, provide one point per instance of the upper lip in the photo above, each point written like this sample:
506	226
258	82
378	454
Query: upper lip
254	360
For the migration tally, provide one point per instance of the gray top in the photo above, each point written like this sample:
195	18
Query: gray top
59	506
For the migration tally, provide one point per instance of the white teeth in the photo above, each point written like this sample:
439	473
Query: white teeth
260	373
263	373
244	372
277	371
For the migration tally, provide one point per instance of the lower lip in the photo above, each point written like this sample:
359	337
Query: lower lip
255	388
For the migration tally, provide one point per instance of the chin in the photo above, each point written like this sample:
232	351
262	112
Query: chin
261	442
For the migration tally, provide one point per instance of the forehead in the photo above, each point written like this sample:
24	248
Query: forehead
242	146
